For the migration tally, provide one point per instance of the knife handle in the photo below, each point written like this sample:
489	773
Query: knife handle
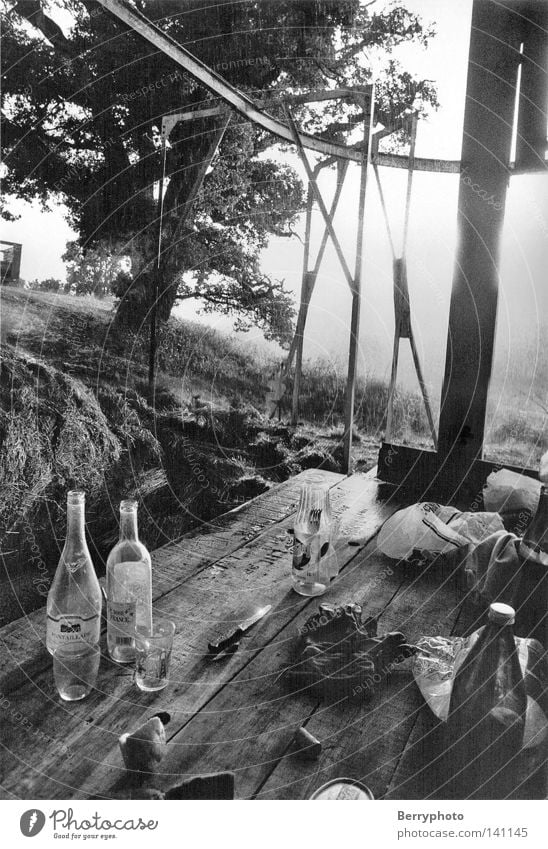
224	639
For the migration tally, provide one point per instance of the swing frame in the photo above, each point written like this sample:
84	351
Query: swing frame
504	36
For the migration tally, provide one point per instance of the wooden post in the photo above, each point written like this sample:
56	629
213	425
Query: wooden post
308	283
157	272
487	133
533	96
356	291
303	308
167	126
319	199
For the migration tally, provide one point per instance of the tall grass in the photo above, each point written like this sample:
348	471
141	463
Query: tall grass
322	401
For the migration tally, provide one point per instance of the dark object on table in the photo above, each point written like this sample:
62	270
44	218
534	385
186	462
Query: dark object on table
226	638
338	655
219	785
307	745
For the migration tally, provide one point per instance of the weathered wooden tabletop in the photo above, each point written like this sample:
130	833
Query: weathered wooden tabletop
234	714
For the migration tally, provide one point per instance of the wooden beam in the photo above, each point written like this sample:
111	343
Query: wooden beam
319	199
200	175
308	284
487	134
437	166
533	97
140	24
356	297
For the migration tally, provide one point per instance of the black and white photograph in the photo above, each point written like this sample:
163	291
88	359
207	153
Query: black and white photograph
274	419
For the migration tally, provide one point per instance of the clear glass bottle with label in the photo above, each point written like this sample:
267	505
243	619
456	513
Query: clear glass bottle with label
74	599
129	587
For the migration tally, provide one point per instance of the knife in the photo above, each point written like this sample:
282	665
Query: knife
227	638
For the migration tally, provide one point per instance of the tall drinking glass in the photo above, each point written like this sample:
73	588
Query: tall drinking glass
312	555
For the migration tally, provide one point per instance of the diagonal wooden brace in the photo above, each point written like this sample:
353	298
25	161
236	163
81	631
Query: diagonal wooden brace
320	200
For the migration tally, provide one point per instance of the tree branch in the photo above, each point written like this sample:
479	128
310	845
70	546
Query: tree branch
32	11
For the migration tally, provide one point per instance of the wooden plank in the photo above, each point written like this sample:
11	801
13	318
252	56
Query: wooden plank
249	724
23	641
89	729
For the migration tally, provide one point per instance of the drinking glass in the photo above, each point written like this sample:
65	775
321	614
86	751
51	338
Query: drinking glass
312	566
153	654
75	668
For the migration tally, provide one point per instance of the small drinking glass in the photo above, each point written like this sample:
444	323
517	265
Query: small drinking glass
75	668
153	654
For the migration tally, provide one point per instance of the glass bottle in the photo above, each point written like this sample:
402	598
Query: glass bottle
74	599
312	561
129	587
531	601
486	719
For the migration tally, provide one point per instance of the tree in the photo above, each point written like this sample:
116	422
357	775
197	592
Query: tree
82	106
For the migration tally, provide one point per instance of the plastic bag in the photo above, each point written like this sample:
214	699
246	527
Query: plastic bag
435	665
507	493
435	529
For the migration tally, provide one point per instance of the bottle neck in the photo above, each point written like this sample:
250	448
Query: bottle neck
128	525
76	526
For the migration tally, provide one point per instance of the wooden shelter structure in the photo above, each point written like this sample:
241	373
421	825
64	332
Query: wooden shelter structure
507	67
10	261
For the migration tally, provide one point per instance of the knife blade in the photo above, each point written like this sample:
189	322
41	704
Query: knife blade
223	639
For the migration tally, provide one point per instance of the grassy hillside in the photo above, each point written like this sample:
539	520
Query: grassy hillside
74	413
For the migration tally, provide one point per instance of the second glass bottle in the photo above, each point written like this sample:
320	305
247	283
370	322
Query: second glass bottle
129	587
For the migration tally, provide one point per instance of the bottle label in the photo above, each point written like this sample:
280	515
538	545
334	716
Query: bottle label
69	629
73	566
301	554
121	617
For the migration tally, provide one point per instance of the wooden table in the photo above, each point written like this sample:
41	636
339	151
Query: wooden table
234	714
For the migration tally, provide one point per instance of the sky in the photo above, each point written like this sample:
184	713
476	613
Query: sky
432	236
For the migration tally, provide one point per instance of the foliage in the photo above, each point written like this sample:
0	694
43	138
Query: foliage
82	107
50	284
92	272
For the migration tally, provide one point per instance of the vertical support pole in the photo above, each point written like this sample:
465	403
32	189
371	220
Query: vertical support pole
487	134
154	310
303	309
204	165
308	283
533	97
356	291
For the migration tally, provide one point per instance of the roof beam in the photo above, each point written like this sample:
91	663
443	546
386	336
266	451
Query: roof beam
140	24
